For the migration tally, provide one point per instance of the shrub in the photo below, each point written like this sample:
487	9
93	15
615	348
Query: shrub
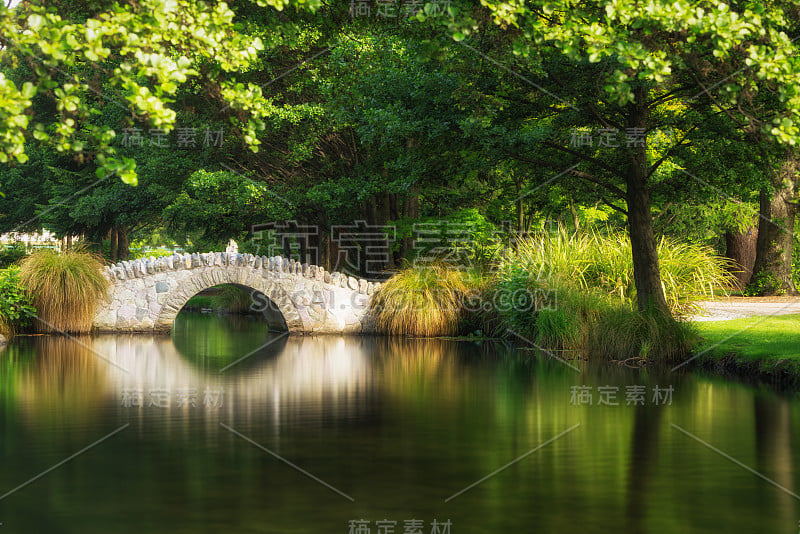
11	254
16	309
562	292
567	315
566	324
478	249
422	301
65	288
763	283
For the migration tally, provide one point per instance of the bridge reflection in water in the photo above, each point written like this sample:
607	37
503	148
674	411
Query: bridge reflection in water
229	369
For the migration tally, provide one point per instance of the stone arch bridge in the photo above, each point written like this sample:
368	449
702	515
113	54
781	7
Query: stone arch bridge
147	294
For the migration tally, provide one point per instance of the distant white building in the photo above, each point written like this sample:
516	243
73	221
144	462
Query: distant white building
45	238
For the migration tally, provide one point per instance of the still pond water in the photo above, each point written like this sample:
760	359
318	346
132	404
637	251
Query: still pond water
338	434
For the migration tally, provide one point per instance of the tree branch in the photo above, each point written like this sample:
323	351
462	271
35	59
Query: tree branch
574	172
669	152
586	158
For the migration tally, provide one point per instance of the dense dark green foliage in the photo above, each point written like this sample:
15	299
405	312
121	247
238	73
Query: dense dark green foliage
16	309
11	254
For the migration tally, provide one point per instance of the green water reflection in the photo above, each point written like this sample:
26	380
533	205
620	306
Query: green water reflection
398	425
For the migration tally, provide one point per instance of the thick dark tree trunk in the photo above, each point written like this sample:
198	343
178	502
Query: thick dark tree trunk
325	250
123	246
113	244
410	211
324	242
384	213
646	272
740	247
371	211
776	229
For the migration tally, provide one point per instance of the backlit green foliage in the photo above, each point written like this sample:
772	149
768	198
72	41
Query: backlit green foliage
144	51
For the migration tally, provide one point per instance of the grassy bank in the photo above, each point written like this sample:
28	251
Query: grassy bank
760	348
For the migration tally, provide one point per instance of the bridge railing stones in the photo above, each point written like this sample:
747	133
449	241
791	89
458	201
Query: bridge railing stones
127	270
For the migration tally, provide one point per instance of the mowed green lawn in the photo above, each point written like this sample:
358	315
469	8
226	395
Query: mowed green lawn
763	338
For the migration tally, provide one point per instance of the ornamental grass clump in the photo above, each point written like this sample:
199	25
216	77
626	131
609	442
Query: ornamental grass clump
423	300
603	262
595	324
601	328
622	333
65	289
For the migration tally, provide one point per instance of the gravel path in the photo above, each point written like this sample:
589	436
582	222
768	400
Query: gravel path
724	309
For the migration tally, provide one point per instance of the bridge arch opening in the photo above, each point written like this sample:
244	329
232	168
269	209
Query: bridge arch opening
265	296
236	299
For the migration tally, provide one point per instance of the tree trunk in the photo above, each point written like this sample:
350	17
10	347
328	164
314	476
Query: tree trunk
576	222
776	230
113	250
324	242
410	211
123	246
740	247
520	204
384	215
646	272
371	210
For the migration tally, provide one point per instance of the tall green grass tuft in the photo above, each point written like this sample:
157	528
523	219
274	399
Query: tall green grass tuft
593	307
598	326
566	322
623	333
421	301
603	261
65	288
